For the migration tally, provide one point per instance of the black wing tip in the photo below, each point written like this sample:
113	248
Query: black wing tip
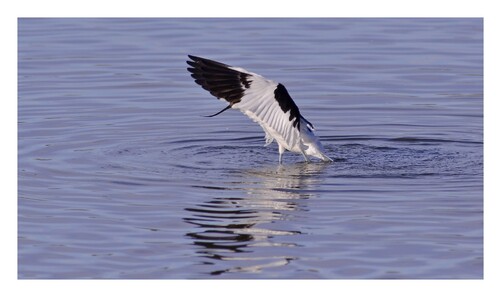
194	58
218	78
205	62
193	62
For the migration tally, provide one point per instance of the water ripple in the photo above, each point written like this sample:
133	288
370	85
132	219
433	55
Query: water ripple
121	176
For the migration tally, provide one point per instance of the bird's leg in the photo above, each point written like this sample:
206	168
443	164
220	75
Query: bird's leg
305	156
281	150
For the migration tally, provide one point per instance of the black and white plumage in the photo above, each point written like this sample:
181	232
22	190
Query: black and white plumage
264	101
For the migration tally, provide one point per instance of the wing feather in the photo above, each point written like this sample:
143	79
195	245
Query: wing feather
268	114
264	101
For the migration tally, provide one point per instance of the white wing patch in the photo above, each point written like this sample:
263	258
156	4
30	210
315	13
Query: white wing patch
259	104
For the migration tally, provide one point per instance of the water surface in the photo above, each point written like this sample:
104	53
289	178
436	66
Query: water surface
120	176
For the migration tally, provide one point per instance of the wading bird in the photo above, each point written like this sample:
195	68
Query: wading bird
264	101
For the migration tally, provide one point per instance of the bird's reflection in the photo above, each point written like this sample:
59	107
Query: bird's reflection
244	228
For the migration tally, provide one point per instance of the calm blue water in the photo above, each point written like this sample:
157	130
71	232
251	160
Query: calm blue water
120	176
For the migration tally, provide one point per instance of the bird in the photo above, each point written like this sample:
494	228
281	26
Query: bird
264	101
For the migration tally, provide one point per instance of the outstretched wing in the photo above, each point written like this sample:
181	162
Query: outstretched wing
264	101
